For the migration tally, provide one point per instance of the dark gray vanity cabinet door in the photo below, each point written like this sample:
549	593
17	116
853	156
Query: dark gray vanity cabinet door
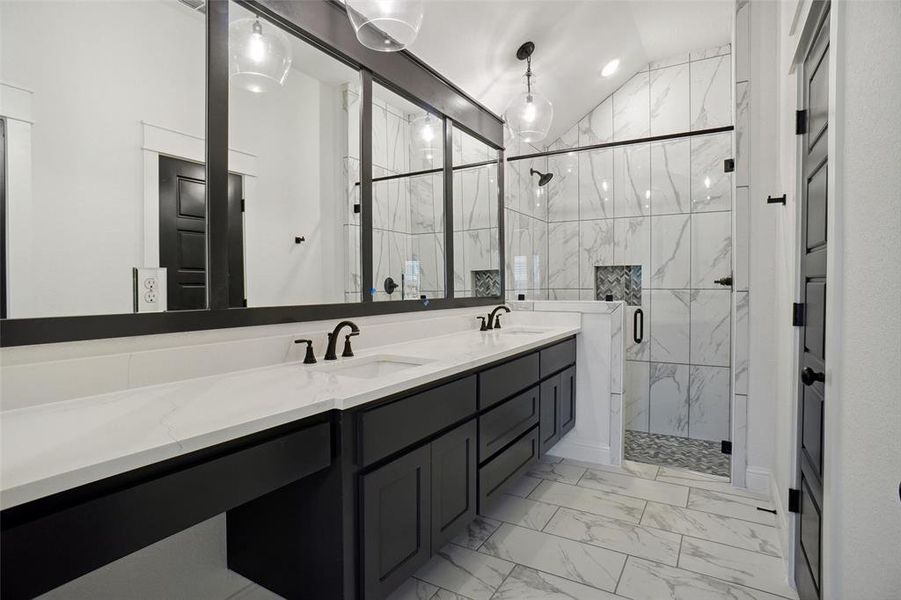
549	424
396	529
453	483
567	402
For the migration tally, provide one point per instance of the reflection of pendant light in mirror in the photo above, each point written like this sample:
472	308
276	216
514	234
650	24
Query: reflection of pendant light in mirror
385	25
426	136
529	114
259	58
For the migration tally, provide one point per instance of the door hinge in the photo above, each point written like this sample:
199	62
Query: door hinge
797	314
794	500
726	447
728	165
242	204
244	303
800	122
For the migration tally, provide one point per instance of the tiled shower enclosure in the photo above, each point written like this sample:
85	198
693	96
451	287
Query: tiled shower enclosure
665	206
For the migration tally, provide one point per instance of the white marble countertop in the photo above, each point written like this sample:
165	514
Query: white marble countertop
53	447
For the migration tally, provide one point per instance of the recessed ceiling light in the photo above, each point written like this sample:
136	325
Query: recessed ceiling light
610	68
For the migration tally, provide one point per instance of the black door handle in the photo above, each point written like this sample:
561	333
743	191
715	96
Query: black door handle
637	319
724	280
809	376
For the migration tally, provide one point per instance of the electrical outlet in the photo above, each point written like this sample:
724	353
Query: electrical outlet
149	289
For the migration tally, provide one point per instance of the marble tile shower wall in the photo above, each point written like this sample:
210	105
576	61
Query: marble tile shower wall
525	225
666	206
408	212
475	215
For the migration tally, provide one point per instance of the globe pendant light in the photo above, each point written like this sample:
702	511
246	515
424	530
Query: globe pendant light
385	25
426	138
529	115
258	59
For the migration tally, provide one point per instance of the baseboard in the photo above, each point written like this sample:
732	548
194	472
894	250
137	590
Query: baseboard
783	524
757	479
579	450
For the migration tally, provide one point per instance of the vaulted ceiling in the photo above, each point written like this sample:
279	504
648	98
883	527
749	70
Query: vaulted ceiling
473	43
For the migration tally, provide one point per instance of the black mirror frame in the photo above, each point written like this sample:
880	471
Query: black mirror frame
323	24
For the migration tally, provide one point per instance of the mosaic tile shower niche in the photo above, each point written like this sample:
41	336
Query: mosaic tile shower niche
621	282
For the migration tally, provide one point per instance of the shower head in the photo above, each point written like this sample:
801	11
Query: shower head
543	178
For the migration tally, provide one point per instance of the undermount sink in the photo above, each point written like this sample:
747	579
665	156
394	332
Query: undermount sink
519	331
370	367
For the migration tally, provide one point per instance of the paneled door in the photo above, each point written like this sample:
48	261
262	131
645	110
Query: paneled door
813	239
183	248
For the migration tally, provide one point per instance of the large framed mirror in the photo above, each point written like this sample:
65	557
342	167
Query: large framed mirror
175	165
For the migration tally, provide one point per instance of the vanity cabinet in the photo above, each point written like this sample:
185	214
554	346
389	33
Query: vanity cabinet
396	526
413	505
558	407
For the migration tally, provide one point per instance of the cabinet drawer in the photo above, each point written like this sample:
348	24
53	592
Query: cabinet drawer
391	427
506	467
503	381
557	357
507	421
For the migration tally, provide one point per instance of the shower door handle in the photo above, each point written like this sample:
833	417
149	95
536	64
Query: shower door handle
724	280
638	320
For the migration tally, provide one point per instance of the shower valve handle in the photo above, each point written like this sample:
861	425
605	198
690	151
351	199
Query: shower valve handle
724	280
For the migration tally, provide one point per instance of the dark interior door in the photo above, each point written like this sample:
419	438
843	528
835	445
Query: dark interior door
811	397
183	244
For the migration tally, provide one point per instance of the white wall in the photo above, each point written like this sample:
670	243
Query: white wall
863	405
863	348
97	70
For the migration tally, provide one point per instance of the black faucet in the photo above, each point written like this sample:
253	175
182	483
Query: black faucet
333	340
494	322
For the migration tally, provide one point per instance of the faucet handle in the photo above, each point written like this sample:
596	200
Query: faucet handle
497	322
348	351
483	326
310	358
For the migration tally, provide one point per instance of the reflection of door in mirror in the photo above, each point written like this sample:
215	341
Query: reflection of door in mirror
183	235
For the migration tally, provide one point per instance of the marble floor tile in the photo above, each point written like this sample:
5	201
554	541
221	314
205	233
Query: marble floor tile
629	467
562	472
635	540
594	501
730	505
523	486
684	473
550	459
528	584
476	532
760	571
472	574
646	580
258	592
635	487
520	511
597	567
716	528
414	589
716	486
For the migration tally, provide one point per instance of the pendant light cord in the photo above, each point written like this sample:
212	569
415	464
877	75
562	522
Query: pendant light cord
529	76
